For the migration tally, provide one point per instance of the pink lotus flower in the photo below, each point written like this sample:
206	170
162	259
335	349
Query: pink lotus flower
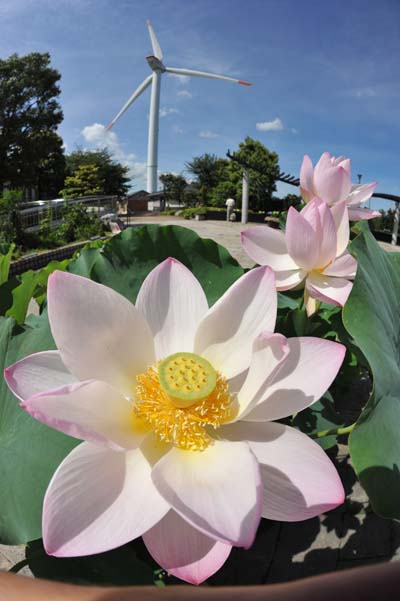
331	181
311	250
174	402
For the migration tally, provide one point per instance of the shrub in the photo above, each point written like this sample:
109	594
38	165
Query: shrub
79	224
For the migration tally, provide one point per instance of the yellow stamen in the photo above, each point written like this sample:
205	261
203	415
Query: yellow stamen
322	269
173	422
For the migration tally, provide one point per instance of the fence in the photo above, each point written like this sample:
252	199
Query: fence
32	216
38	261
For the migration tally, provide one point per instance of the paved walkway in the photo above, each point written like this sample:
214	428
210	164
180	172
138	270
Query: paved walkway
351	535
226	234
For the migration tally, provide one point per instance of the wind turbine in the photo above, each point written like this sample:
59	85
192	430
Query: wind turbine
157	66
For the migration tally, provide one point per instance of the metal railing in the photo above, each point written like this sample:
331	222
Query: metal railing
32	216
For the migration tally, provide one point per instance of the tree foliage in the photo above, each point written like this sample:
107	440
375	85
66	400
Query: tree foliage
31	153
10	222
174	187
263	172
219	179
86	181
113	175
207	170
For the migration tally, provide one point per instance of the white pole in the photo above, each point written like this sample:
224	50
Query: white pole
245	197
396	223
153	133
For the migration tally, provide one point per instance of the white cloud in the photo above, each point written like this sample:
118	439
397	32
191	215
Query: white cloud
184	94
294	130
183	80
275	125
363	93
164	111
177	130
97	136
208	134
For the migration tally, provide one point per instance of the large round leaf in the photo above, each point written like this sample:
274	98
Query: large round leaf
29	451
125	261
372	317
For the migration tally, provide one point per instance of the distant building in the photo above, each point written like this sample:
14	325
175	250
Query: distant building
136	202
142	201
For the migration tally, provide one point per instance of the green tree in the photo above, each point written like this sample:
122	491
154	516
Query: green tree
86	181
31	153
223	190
10	223
263	172
174	187
113	175
207	170
292	200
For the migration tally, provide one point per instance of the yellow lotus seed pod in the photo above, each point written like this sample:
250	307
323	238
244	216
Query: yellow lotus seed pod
186	378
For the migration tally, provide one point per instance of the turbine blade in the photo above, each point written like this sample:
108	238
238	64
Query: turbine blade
191	73
154	42
145	84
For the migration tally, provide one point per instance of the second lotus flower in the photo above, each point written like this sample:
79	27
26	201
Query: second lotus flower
174	402
330	180
311	250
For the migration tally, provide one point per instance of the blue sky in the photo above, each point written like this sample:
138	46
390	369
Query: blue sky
326	76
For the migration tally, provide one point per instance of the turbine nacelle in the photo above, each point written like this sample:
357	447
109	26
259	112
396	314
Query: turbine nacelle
155	64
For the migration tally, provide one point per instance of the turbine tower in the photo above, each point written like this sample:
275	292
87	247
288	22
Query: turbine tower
156	65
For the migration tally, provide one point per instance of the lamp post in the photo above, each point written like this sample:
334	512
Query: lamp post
396	220
245	196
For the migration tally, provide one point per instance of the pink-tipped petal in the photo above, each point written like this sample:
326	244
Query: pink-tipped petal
337	160
267	246
226	334
269	353
344	266
361	193
183	551
311	213
327	237
345	164
97	500
360	214
332	184
91	410
340	216
324	163
99	333
306	172
329	289
37	373
299	480
301	239
305	375
286	280
306	178
306	194
218	490
173	303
